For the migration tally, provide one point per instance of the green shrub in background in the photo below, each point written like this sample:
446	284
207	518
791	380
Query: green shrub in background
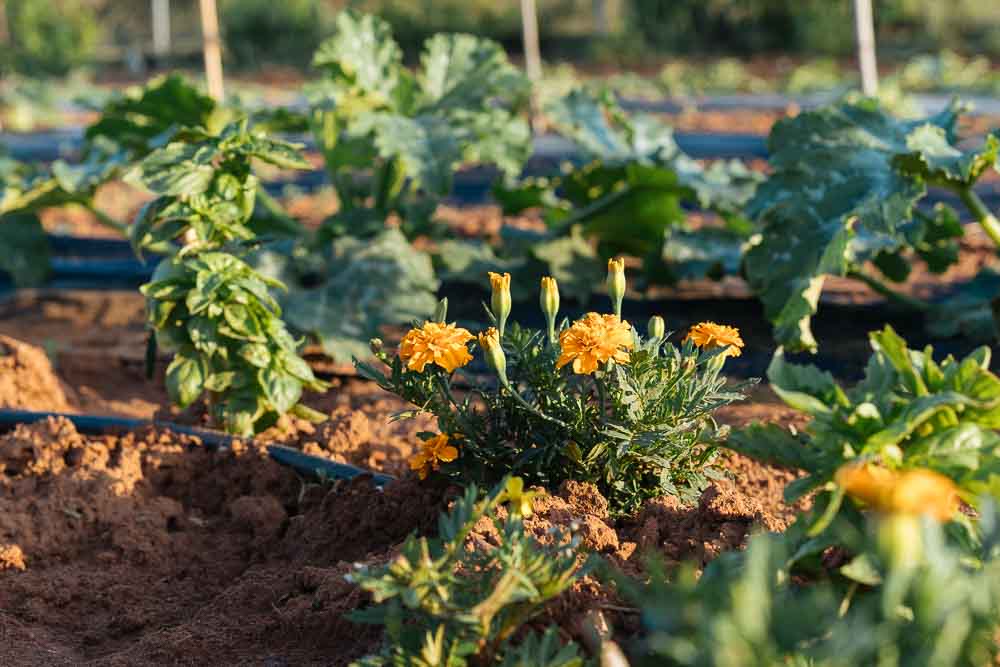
49	37
811	26
286	32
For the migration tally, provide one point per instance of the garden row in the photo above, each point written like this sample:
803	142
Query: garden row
893	481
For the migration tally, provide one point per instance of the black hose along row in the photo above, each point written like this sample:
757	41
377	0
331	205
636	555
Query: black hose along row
304	464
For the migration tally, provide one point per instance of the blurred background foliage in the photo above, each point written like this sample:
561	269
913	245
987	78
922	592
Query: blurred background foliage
53	37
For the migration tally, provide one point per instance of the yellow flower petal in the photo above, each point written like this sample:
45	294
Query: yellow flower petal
435	343
709	336
594	340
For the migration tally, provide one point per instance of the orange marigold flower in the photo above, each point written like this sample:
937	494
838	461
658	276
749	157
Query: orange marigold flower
709	336
499	281
593	341
433	452
436	343
907	492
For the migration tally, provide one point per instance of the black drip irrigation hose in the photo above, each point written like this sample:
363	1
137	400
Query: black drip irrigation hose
304	464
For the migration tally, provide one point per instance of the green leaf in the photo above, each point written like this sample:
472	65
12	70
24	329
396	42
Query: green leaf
427	146
178	170
934	156
805	388
362	50
25	250
573	263
282	390
772	444
369	284
185	379
834	200
463	71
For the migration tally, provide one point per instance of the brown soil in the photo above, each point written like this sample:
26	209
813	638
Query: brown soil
144	548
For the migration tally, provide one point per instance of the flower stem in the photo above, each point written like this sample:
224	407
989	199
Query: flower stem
983	216
877	285
532	409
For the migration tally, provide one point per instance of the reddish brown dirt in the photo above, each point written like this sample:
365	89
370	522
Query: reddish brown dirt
144	548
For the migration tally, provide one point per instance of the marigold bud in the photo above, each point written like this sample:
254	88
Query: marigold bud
376	345
500	301
489	341
441	311
657	328
616	283
549	300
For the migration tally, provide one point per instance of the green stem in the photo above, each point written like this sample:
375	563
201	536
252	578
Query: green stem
983	216
877	285
590	209
106	219
532	409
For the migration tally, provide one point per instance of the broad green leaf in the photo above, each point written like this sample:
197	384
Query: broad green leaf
934	156
427	146
772	444
834	200
804	388
363	50
573	263
141	115
24	253
369	284
462	71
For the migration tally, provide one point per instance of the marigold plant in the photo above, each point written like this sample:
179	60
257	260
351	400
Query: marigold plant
589	401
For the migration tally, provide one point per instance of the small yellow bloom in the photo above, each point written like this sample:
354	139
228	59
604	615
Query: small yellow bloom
499	281
436	343
432	453
709	336
593	341
907	492
519	500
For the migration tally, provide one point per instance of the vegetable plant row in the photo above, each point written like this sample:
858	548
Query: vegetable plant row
843	199
895	559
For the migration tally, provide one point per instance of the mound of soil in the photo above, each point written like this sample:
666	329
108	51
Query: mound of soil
146	548
27	380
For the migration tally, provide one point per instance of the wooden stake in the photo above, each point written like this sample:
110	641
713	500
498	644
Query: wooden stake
864	24
532	52
161	27
212	48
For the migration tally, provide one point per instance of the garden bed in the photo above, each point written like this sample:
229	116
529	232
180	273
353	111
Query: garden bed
145	547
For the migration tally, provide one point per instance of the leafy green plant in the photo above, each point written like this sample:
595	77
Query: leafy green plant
634	416
49	37
746	610
129	128
630	195
258	32
445	604
909	411
843	197
205	304
411	129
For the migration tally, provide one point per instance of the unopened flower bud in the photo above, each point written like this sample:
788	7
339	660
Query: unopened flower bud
441	311
549	300
500	301
376	345
489	341
657	328
616	283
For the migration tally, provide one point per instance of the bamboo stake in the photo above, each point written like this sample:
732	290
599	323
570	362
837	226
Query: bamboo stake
212	49
864	24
